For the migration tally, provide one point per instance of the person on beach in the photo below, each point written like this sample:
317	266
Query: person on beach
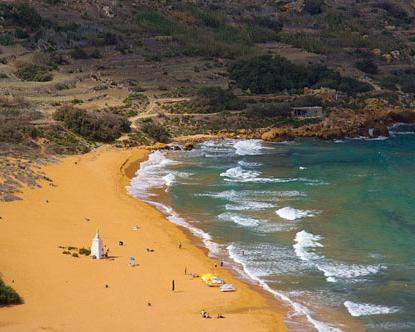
180	245
172	285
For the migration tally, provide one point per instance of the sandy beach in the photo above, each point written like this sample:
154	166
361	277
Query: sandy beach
64	293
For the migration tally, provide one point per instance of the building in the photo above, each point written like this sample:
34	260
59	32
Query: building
97	247
312	112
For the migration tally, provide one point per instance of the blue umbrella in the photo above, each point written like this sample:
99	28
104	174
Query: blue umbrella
131	258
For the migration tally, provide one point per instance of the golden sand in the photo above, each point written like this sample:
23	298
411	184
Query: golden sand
64	293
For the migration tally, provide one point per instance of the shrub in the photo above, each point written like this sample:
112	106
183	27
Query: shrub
66	252
101	127
7	39
155	131
215	99
198	39
75	254
367	66
135	97
27	16
34	73
267	74
96	54
403	79
84	251
313	7
395	10
78	53
21	34
8	295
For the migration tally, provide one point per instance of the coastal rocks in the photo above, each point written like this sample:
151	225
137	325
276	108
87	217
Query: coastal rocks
403	117
188	147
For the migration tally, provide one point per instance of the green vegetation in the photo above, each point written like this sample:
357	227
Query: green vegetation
155	131
401	79
21	14
8	295
7	39
205	32
84	251
336	28
95	126
79	53
135	97
266	74
367	66
214	99
395	11
34	73
314	7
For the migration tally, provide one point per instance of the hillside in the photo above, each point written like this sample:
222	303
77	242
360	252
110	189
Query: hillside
78	74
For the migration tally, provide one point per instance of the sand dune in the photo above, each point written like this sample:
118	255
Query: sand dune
63	293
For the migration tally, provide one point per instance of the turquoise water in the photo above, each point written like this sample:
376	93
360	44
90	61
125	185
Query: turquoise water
328	227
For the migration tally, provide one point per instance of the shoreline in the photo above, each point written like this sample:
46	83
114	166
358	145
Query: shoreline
129	169
236	266
57	288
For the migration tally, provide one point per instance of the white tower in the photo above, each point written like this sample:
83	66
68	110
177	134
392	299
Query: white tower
97	247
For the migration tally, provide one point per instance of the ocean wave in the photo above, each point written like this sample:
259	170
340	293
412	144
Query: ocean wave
364	138
250	147
256	275
290	213
238	174
169	179
213	248
304	241
354	272
402	129
240	220
234	195
366	309
392	326
150	175
216	148
247	205
248	164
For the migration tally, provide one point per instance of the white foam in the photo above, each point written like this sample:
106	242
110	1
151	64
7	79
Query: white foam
169	179
302	168
213	247
238	174
250	147
366	309
300	309
338	271
249	206
290	213
240	220
150	175
248	164
304	241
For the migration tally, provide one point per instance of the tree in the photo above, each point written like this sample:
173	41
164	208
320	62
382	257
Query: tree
314	7
367	66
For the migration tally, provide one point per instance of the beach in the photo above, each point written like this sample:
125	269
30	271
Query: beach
65	293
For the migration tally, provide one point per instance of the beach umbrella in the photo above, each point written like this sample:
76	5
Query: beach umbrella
131	258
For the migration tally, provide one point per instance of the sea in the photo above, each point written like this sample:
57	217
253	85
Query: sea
325	227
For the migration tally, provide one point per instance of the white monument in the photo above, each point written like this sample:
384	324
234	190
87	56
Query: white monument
97	247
